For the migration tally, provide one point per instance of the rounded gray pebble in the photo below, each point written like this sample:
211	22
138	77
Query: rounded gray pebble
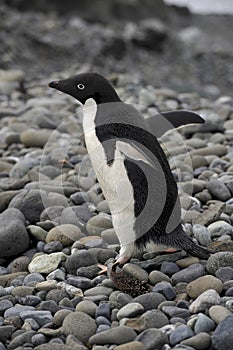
14	238
222	338
166	289
103	310
189	274
203	324
152	339
79	259
117	335
149	300
80	325
180	333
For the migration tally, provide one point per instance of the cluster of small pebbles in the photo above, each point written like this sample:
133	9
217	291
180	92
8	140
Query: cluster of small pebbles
55	228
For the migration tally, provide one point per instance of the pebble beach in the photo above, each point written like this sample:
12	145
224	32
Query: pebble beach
56	227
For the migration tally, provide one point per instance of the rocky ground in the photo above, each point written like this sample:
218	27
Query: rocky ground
55	225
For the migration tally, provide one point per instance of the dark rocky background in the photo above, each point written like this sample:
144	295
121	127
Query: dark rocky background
155	43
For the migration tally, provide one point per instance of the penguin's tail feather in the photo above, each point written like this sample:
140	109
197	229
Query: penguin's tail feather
178	238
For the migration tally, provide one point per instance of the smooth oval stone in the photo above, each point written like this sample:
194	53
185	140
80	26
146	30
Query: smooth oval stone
66	234
218	313
14	238
117	335
130	310
201	284
80	325
222	338
205	301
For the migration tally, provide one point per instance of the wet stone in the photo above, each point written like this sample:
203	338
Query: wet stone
223	337
169	268
117	335
80	282
130	310
218	313
103	310
88	307
189	274
201	284
80	325
166	289
204	324
180	333
149	300
174	311
152	339
198	341
205	301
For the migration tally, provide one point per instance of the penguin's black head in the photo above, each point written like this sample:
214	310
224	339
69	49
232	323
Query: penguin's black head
87	85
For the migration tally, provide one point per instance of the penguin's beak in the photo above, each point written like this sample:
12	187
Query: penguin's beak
54	84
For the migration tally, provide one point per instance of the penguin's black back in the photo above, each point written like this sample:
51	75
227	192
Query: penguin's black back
164	203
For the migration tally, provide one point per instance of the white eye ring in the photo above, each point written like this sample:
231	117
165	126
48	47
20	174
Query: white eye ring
80	86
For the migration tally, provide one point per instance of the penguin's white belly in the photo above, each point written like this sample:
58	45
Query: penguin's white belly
113	179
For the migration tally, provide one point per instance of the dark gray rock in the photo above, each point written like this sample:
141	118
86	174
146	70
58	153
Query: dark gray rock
79	259
80	282
180	333
88	271
204	324
79	198
103	310
174	311
116	335
13	234
102	320
154	319
218	190
32	279
169	268
49	305
4	305
41	317
189	274
76	215
50	171
224	273
222	338
32	203
5	332
56	294
21	339
80	325
51	213
52	247
152	339
22	167
149	300
38	339
166	289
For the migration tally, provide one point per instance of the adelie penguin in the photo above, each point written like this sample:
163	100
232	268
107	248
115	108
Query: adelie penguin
131	167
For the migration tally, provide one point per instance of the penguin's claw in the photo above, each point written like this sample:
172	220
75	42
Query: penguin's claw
104	269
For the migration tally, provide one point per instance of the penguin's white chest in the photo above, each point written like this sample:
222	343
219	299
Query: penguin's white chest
113	179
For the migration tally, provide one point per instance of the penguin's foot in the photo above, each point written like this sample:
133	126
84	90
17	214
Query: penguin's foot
103	269
170	250
119	262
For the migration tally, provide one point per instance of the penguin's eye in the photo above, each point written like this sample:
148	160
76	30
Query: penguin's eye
80	86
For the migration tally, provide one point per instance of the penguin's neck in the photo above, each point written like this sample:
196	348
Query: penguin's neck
107	96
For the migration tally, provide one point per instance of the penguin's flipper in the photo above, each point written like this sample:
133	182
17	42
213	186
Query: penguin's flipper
161	123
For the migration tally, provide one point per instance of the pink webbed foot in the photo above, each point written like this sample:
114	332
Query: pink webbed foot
119	262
